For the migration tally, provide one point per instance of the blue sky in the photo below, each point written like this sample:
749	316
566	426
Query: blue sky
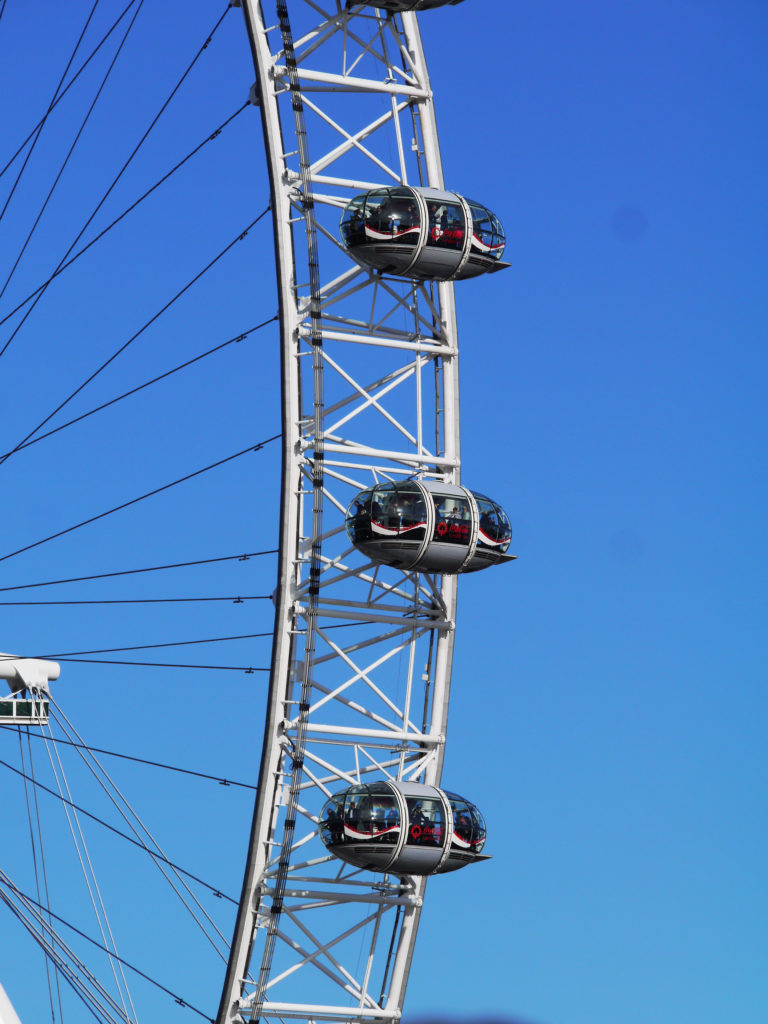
609	706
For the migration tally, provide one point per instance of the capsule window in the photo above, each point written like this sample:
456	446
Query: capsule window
468	824
446	224
397	510
487	232
391	215
480	832
372	817
494	528
463	823
332	821
358	520
453	519
426	822
352	225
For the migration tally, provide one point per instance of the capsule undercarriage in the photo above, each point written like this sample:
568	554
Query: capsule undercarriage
404	828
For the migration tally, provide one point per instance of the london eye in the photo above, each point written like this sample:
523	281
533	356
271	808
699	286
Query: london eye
351	814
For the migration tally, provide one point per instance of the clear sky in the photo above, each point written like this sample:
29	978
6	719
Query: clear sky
609	701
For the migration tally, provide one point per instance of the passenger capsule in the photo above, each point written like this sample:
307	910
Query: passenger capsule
429	526
403	827
422	233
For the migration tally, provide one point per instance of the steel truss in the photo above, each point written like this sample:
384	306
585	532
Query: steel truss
361	662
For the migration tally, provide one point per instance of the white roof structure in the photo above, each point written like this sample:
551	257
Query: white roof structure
34	673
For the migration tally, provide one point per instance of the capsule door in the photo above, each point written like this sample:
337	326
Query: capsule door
427	833
453	531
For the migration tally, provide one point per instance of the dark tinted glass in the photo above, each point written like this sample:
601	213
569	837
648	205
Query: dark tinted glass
391	215
426	821
372	816
351	227
358	520
397	510
494	528
468	824
453	522
446	224
487	232
332	821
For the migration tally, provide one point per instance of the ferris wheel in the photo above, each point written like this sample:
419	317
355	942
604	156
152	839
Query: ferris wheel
375	525
351	816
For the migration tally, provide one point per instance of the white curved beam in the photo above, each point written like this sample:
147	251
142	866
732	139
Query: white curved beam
385	715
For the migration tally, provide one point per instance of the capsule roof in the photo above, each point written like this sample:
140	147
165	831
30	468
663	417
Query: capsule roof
422	233
403	827
428	526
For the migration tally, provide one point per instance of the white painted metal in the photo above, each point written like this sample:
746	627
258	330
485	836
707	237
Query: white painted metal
361	663
7	1013
32	673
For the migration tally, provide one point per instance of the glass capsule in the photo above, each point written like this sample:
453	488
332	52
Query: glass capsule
422	233
403	827
429	526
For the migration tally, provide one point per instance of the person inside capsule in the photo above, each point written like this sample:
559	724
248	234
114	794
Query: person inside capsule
422	233
426	826
462	826
446	225
384	214
402	216
397	510
375	827
452	520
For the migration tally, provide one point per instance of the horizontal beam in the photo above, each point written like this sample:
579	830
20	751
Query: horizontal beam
313	1011
379	734
345	83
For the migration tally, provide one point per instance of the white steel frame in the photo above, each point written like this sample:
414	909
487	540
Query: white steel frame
361	663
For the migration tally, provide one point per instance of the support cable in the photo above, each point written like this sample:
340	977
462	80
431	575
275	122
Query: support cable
50	108
117	178
89	877
152	568
68	263
129	757
142	497
136	970
122	835
140	387
71	150
143	834
35	837
147	647
70	83
248	669
138	600
44	870
83	982
133	338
